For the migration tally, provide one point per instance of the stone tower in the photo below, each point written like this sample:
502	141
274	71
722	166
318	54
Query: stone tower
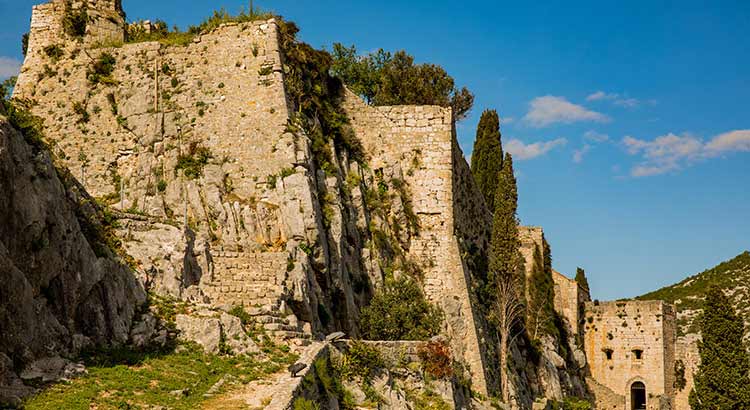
630	348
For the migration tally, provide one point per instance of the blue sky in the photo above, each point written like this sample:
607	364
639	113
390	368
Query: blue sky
630	121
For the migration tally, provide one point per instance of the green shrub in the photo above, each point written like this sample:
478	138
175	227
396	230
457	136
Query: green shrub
400	311
25	43
31	127
54	51
75	21
302	403
80	109
161	186
102	69
193	161
572	403
360	361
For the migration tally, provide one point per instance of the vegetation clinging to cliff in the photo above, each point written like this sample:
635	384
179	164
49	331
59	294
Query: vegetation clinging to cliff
383	78
316	96
400	311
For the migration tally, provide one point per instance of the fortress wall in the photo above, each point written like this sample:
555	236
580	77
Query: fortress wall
623	327
420	140
568	299
530	237
223	92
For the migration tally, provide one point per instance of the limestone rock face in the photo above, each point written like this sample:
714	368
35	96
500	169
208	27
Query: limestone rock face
61	288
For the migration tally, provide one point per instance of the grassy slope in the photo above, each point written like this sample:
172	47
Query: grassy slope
136	381
733	276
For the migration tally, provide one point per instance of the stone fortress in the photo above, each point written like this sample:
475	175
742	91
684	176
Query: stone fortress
262	227
631	347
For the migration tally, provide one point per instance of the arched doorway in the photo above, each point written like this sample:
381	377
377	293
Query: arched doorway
638	396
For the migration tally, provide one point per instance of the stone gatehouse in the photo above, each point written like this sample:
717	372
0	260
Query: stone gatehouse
630	347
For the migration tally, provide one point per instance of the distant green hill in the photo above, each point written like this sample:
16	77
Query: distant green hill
733	276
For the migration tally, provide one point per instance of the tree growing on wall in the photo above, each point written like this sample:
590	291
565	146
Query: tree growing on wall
487	157
582	280
722	381
384	78
506	277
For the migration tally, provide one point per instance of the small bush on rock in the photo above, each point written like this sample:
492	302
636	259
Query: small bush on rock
436	359
101	71
400	311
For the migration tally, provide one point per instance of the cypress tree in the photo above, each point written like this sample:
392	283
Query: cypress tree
505	258
541	309
487	157
722	381
581	279
506	274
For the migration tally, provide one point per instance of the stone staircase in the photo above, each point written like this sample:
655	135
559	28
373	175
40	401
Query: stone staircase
256	281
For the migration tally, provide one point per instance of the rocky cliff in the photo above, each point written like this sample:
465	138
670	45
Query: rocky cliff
63	288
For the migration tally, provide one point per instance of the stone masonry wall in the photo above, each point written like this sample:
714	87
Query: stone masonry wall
125	139
530	237
622	328
420	140
568	299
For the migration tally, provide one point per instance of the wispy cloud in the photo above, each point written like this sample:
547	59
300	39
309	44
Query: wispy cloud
595	136
9	67
522	151
615	98
591	139
549	109
579	153
672	152
506	120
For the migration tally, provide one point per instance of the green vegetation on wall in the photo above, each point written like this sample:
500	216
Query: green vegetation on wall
384	78
75	20
316	96
400	311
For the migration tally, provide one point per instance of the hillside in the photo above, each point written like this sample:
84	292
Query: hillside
732	276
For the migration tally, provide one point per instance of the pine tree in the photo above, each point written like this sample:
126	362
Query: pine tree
581	279
487	157
722	381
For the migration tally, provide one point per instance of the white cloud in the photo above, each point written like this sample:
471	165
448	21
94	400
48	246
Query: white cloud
738	140
579	153
600	95
615	98
550	109
673	152
595	136
521	151
9	67
506	120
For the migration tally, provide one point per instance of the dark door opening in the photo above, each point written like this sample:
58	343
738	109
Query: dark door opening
638	396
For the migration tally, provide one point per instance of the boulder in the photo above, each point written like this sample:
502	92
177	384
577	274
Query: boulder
52	369
206	331
235	336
